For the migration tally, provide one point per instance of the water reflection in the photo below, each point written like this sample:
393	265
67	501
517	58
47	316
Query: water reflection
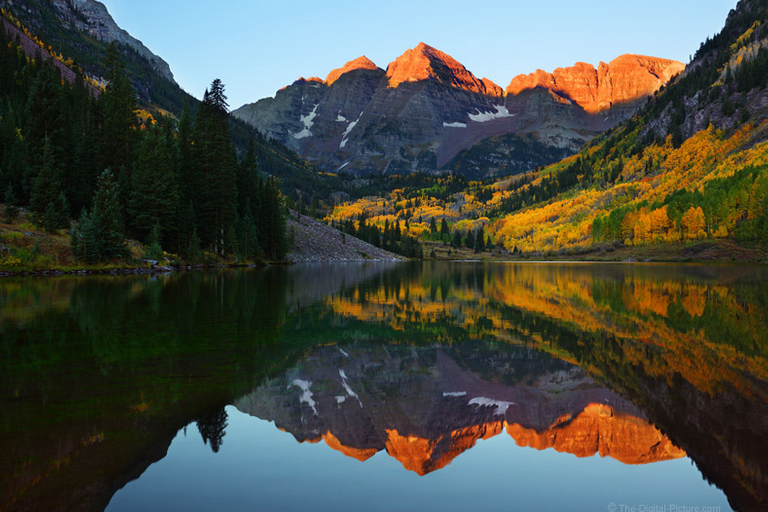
636	363
424	405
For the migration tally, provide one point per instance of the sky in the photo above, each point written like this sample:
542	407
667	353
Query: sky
258	46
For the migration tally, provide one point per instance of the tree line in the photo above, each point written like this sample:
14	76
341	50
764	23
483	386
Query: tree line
392	237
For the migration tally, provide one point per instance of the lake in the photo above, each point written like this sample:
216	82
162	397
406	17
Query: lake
388	387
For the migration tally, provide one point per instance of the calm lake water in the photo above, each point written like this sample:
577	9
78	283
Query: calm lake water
388	387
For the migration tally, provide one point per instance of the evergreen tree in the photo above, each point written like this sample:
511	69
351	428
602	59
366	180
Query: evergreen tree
470	240
48	205
480	240
45	123
247	180
11	210
108	216
456	241
186	222
272	222
155	196
56	214
214	156
119	101
444	230
248	238
154	249
87	242
194	253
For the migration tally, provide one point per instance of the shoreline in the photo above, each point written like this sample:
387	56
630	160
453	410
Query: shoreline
532	260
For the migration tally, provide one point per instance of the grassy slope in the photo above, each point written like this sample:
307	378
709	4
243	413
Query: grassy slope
25	247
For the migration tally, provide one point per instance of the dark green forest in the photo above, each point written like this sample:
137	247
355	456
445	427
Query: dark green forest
69	152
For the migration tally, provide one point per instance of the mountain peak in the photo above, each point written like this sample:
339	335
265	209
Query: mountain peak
425	62
362	62
626	79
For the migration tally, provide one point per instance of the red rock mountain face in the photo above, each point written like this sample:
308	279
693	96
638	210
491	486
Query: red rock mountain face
425	62
359	63
625	80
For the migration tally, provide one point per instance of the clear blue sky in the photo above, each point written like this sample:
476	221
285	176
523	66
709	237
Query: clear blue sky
259	46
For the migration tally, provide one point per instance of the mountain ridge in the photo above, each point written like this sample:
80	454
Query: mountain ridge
426	108
600	91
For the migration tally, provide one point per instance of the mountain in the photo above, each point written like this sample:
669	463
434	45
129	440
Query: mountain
93	18
426	111
81	29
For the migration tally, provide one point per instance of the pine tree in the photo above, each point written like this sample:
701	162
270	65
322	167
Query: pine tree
470	240
46	122
480	240
444	230
154	249
119	101
108	216
456	241
48	205
87	242
185	176
248	238
214	157
247	177
272	222
11	209
56	214
155	196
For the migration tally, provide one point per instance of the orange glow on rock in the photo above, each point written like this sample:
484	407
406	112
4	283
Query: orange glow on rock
361	454
599	430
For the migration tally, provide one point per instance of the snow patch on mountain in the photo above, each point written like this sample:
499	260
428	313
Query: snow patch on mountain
308	121
348	130
483	117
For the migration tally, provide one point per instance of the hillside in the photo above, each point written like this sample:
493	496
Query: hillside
691	166
427	113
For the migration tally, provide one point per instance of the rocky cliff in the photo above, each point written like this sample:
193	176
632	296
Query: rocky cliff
426	111
617	87
93	17
87	16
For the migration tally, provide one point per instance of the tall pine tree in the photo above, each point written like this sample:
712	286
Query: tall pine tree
215	201
155	196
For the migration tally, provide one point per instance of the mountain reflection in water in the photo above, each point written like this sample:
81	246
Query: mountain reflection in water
640	363
425	407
